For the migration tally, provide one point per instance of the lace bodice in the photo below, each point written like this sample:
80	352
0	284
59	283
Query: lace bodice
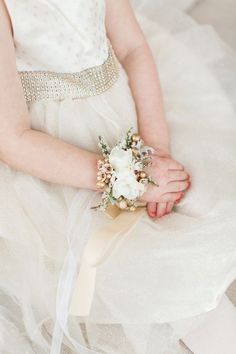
58	35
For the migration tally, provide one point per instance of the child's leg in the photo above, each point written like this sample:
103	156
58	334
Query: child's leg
217	334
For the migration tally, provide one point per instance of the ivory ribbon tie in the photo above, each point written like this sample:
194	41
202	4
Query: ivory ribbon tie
98	249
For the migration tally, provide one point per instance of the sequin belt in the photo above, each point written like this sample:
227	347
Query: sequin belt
41	85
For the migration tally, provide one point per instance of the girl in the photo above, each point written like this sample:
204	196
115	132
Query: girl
69	72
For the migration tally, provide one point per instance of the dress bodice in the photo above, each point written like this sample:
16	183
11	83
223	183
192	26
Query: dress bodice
57	35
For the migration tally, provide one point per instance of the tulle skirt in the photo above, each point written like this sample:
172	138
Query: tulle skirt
163	271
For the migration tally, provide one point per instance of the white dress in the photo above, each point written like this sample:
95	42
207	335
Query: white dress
166	270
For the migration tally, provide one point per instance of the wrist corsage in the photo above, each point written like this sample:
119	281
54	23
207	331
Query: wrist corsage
121	173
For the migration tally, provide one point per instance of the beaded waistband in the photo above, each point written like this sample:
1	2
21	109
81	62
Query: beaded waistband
41	85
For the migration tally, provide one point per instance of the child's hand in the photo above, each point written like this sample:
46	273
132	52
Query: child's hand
173	182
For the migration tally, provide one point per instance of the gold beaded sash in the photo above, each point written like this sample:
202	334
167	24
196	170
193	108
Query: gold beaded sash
43	85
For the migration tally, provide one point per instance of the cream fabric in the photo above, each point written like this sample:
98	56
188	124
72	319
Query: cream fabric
163	271
75	34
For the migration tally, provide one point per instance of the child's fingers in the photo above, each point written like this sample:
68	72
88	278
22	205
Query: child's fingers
157	210
179	175
177	186
161	209
171	197
169	207
175	165
151	209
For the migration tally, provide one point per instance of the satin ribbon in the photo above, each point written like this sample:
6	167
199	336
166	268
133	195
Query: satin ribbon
98	249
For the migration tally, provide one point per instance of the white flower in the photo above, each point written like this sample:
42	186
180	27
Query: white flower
120	159
138	166
127	186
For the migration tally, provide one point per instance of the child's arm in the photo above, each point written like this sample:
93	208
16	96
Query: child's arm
135	55
29	150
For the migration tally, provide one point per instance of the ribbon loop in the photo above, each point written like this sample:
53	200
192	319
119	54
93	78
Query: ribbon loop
98	249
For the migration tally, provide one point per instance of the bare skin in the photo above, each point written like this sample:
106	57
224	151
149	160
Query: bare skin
57	161
165	170
133	52
26	149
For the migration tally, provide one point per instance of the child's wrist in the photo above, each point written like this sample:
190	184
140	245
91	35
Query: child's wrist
158	144
161	149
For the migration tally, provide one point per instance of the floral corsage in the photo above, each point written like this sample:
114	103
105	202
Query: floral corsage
121	172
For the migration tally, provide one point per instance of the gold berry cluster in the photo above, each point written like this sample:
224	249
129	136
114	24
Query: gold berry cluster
135	139
140	175
104	174
124	204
